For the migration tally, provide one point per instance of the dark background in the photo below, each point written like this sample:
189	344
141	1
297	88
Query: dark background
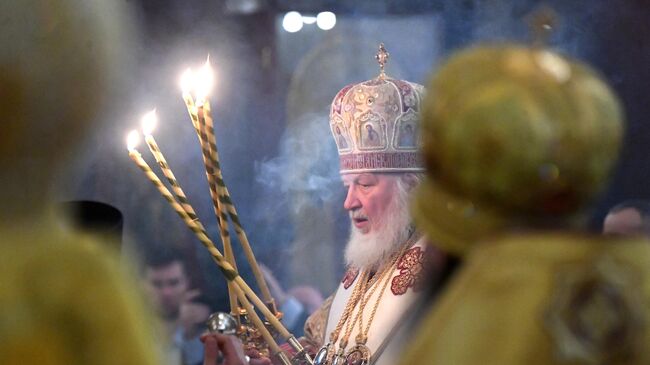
263	107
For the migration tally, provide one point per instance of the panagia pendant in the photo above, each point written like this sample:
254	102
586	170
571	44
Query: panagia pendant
321	355
359	354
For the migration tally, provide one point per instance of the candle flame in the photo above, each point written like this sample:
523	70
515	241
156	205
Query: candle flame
203	81
187	81
149	122
132	140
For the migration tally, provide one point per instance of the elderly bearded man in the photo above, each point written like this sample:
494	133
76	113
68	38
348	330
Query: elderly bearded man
388	260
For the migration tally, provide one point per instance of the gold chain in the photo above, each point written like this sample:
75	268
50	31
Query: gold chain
367	284
349	307
350	324
359	295
362	337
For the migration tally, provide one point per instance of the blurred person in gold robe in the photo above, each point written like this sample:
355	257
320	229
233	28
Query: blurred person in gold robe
63	297
518	141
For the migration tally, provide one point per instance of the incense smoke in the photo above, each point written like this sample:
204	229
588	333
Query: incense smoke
306	170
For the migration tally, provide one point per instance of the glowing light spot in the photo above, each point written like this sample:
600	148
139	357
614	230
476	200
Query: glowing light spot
308	19
203	82
326	20
292	21
149	122
187	81
132	140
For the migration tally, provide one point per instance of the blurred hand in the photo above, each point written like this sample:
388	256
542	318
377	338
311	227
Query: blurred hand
308	296
192	316
276	289
257	359
231	350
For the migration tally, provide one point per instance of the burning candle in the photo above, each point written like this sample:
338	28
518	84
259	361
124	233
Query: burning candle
149	122
187	84
203	83
200	112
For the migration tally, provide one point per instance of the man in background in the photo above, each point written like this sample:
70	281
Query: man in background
180	309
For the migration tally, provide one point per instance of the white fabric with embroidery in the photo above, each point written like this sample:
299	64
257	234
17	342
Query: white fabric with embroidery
390	310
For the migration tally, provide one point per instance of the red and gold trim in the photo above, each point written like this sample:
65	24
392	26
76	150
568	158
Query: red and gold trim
350	277
381	161
414	267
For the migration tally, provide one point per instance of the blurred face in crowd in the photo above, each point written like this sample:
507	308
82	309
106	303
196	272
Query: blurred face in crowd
378	207
167	286
625	222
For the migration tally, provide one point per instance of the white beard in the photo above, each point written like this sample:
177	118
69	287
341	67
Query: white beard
372	249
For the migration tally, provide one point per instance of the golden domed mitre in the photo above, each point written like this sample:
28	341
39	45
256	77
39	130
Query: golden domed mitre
513	131
375	124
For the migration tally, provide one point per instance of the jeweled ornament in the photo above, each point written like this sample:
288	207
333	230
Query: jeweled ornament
321	355
358	355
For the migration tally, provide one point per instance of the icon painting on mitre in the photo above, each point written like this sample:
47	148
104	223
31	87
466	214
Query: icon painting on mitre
341	137
370	126
406	132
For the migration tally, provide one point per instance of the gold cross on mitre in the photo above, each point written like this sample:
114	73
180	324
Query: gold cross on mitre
382	58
